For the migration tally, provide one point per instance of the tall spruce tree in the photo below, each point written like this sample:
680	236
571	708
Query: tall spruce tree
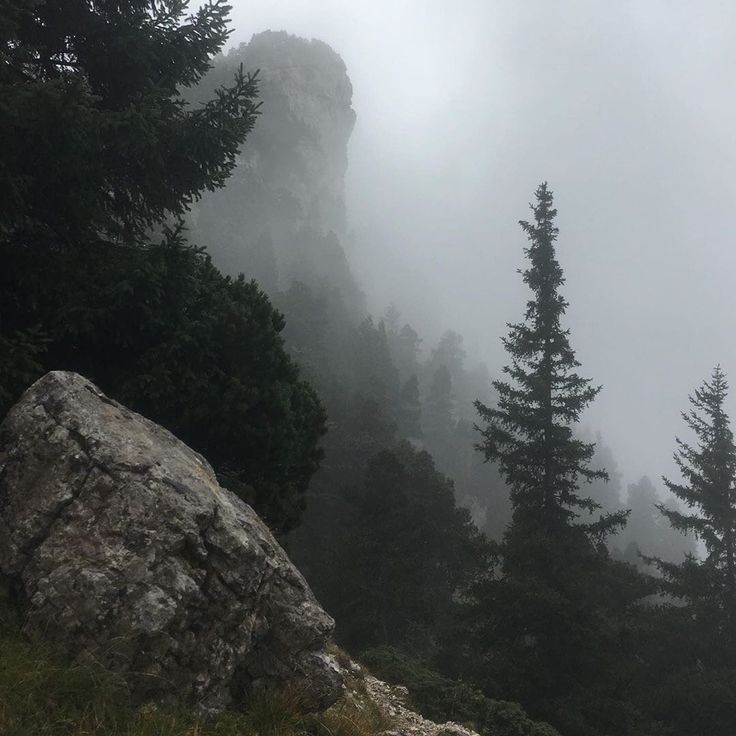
99	143
530	431
708	488
550	622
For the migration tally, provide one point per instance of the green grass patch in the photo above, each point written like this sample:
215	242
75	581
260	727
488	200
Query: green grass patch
43	694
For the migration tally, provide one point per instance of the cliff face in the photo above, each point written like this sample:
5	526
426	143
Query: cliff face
281	217
299	147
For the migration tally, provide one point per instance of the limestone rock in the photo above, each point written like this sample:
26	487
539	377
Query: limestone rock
281	218
392	702
308	109
117	541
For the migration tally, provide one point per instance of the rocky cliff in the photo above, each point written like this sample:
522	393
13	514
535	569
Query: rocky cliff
299	146
282	215
116	541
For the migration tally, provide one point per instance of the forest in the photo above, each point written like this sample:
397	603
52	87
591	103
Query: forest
168	231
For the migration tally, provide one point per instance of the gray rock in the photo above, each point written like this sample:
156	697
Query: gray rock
392	703
118	542
289	180
307	98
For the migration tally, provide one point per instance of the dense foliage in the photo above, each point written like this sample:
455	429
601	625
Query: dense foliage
102	156
407	550
707	588
99	144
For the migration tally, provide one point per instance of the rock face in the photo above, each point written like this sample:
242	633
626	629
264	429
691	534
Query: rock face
117	541
281	216
307	108
392	702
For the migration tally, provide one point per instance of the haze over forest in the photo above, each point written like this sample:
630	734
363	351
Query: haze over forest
624	108
344	348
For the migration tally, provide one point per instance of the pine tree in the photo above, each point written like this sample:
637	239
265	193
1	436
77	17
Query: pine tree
439	420
647	533
408	347
548	621
99	143
374	375
450	353
708	488
530	432
410	410
408	551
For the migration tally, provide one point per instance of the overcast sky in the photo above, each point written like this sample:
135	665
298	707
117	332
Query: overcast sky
626	108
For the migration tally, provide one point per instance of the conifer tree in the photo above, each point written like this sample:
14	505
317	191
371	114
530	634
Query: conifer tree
708	488
406	350
530	431
548	620
99	142
410	409
648	533
449	353
408	551
438	418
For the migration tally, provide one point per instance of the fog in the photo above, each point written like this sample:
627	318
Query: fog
625	108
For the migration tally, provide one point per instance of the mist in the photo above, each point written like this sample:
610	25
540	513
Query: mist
363	368
621	107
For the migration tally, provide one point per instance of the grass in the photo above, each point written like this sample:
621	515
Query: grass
42	694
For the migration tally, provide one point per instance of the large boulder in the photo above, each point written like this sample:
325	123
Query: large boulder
117	541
